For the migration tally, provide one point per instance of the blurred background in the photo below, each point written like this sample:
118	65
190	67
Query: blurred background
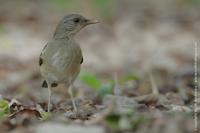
134	38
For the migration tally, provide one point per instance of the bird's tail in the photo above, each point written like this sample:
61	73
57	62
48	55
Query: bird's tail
44	84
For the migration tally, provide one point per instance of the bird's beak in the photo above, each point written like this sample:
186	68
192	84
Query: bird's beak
88	22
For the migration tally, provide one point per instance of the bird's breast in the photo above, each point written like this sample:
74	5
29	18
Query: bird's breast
66	63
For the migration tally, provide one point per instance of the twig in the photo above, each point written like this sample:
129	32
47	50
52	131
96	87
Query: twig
153	84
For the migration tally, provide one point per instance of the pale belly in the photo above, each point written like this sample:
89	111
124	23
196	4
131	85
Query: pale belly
65	76
60	72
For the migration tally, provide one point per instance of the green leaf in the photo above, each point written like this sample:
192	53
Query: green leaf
129	78
112	121
4	109
45	115
4	106
106	89
91	80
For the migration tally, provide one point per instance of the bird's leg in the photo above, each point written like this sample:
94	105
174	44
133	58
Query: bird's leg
49	98
72	98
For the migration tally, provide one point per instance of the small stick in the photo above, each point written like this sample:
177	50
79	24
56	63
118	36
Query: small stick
153	84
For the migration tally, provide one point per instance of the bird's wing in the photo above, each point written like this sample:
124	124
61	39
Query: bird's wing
40	58
81	60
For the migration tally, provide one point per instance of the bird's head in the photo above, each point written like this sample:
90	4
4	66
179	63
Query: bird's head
71	24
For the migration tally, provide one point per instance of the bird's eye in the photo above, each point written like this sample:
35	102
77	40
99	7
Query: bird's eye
76	20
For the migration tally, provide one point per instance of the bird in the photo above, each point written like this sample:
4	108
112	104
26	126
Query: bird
61	58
